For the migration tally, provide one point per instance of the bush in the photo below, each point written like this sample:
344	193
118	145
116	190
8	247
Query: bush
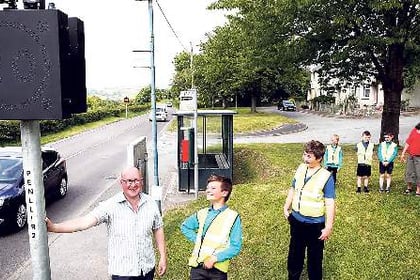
10	129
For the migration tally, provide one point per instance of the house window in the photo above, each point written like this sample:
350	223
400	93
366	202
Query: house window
366	93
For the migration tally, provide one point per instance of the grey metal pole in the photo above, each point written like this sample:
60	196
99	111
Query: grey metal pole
153	103
192	66
195	152
35	201
194	125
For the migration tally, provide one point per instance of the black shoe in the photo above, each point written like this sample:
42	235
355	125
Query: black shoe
381	190
408	191
387	190
366	189
358	190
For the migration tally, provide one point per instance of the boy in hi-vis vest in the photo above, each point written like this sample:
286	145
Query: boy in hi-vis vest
311	199
387	152
216	232
333	158
364	162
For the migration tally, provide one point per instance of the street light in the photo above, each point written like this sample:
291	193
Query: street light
156	190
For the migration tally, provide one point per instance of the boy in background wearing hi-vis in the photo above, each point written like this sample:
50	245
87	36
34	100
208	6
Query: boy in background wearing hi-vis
216	232
387	152
364	162
333	157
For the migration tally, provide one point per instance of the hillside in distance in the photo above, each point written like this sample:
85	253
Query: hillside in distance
114	93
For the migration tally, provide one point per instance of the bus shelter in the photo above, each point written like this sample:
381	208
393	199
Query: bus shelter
214	143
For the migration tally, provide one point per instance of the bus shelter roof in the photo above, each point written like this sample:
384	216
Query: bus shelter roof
206	113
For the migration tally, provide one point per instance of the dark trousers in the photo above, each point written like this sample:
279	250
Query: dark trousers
199	273
148	276
305	236
333	171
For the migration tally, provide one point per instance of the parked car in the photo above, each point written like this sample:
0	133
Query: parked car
286	105
12	188
169	104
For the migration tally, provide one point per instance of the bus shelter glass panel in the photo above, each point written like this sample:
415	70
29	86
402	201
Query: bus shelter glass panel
214	145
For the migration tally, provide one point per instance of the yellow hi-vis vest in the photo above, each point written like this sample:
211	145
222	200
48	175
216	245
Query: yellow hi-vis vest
308	198
333	154
215	240
364	156
387	151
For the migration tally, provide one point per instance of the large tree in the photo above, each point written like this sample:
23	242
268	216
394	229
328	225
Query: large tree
244	59
363	39
348	39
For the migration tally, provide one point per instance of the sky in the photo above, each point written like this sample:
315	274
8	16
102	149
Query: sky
113	29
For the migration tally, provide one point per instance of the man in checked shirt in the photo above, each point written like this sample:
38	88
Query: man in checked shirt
132	218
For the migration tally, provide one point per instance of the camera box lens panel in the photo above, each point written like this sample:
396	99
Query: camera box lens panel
35	77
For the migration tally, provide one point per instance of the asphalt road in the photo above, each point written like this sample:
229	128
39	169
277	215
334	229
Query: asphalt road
94	160
321	128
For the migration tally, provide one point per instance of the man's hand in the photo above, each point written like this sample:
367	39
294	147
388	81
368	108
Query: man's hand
209	262
50	225
161	266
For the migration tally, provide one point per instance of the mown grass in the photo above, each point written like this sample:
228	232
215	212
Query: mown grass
375	235
244	121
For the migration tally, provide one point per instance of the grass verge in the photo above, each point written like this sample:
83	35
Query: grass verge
243	121
375	235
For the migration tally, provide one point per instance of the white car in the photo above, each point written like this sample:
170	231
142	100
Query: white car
161	115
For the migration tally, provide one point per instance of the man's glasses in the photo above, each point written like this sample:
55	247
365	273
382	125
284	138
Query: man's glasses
130	181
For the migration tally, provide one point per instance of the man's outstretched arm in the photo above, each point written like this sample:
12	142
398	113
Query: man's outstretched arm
77	224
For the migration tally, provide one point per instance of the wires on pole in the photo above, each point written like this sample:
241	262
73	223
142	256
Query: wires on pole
170	27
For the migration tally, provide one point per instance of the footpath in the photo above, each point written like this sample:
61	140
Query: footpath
83	255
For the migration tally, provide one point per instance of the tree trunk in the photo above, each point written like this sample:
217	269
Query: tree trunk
253	104
391	114
392	85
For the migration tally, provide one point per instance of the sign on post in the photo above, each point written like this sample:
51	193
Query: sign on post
126	101
188	100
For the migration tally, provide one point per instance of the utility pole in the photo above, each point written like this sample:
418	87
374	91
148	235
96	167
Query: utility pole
194	125
156	189
35	201
192	66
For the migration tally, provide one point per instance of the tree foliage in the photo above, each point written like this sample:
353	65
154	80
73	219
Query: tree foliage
97	103
354	41
265	47
143	97
363	40
236	61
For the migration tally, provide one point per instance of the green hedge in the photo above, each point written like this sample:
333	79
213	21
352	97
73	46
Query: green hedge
10	129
